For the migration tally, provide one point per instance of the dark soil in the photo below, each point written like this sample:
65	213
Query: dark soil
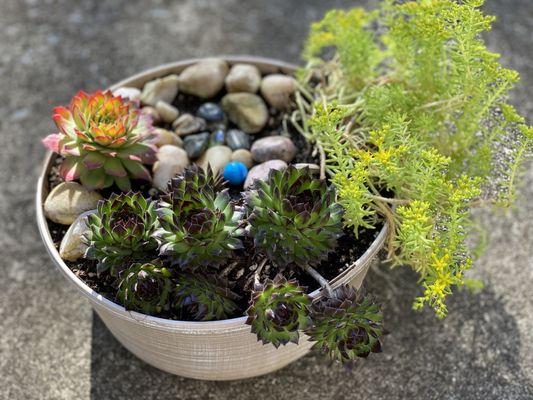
238	272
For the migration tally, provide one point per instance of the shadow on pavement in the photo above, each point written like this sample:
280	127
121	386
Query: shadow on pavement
474	353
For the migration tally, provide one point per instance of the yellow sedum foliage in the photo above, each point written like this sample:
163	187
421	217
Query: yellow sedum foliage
410	110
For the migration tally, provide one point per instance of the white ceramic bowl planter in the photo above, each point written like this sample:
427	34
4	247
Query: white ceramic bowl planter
218	350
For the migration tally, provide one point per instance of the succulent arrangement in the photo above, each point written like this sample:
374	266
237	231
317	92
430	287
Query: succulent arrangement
408	119
168	254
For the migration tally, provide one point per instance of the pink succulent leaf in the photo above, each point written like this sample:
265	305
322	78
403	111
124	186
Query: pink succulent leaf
118	142
150	134
64	121
94	160
61	112
123	184
137	148
71	150
78	117
108	181
143	121
108	152
150	156
114	167
70	169
81	135
93	179
135	158
51	142
137	170
62	124
80	98
88	147
102	140
145	151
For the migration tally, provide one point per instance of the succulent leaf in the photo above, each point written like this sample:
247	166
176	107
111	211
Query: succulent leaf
205	298
200	225
145	288
99	135
121	231
278	311
293	217
347	325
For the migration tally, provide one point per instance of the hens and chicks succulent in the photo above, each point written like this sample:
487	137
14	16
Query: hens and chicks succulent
105	140
167	254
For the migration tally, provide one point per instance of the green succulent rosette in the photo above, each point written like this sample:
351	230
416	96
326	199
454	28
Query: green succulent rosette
200	226
278	310
346	326
204	298
293	217
120	232
105	140
145	288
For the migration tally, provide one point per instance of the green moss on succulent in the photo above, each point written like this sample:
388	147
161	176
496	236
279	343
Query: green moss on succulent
346	325
145	288
278	310
293	217
120	232
205	298
199	224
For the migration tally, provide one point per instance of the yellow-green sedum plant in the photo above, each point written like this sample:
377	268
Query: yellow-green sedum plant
409	110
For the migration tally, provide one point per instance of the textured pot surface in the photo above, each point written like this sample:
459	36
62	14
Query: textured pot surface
218	350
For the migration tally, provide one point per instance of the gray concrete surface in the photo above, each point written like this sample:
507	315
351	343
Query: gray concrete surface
52	346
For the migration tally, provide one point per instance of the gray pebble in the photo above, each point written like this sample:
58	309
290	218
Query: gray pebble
168	112
248	111
261	171
205	78
195	145
273	147
164	89
243	78
187	124
237	139
216	157
211	112
244	156
67	201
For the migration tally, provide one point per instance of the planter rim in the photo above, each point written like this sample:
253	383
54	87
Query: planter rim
199	327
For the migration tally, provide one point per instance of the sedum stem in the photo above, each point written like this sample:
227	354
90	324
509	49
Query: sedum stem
258	270
320	279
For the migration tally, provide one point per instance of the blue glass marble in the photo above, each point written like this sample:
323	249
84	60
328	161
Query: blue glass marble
235	172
